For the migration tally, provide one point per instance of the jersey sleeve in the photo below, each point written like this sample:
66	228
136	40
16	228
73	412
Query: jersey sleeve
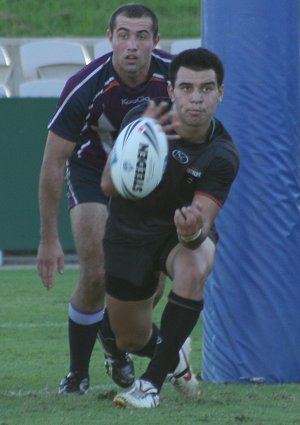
219	175
72	109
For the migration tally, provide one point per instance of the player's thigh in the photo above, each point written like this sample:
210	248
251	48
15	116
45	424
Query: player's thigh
88	225
189	269
160	288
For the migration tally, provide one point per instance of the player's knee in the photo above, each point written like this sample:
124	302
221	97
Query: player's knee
131	343
92	283
192	282
193	274
92	277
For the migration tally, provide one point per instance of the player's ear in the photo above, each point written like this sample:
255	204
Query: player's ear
109	34
156	40
171	92
221	92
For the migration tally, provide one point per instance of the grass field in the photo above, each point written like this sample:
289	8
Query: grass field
34	357
89	18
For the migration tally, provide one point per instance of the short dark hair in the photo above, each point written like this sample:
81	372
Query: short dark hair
134	10
197	59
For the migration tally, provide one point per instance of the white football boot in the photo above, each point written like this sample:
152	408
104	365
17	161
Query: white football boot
183	378
142	395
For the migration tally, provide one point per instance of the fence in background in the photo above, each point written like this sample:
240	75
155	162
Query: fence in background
23	135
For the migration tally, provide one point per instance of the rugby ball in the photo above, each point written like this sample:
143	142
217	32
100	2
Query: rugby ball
138	158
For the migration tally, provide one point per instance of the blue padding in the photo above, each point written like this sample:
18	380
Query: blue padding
252	300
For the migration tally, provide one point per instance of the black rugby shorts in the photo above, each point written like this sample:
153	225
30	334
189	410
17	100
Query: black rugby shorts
132	269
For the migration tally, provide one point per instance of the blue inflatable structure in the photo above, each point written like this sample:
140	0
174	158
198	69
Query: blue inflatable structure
251	319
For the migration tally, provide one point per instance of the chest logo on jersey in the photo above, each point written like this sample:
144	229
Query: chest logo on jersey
140	99
180	156
194	173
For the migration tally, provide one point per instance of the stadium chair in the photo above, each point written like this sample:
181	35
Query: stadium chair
41	88
4	91
55	59
5	66
101	47
188	43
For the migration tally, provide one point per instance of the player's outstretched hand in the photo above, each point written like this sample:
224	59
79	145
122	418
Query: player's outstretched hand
166	118
50	259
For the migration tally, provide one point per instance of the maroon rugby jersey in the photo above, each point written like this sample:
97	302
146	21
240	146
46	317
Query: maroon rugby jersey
94	102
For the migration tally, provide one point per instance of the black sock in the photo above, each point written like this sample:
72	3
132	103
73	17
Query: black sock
81	340
178	320
108	338
105	328
149	349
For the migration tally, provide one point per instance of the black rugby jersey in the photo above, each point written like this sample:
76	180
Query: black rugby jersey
208	168
94	102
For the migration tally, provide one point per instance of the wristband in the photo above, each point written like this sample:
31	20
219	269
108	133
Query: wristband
191	238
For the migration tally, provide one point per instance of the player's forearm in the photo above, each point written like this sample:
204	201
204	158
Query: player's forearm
50	190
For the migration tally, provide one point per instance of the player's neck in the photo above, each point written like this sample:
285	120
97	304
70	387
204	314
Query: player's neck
196	135
133	79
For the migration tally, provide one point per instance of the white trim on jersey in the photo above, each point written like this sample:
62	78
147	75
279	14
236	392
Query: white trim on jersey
167	60
69	184
75	89
162	77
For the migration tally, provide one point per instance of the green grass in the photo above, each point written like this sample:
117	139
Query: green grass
49	18
34	357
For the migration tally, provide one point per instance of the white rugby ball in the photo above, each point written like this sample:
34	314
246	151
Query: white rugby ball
138	158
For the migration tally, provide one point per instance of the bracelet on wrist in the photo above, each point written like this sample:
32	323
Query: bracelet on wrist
191	238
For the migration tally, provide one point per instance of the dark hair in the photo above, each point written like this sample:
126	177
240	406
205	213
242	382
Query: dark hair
134	10
197	59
